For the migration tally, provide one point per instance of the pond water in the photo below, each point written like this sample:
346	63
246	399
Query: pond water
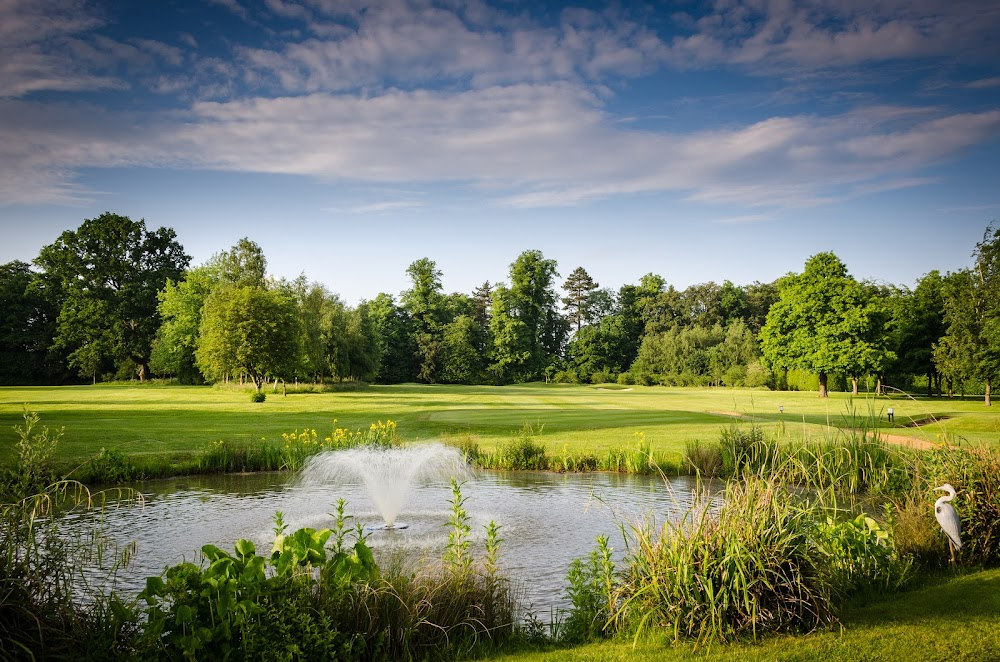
546	519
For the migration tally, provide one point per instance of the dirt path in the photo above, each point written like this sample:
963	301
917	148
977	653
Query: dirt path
911	442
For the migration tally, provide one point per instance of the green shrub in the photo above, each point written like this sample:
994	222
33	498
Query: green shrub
602	376
111	467
34	450
520	453
859	555
258	396
626	379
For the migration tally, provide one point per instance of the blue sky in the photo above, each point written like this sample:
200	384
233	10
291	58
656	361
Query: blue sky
697	140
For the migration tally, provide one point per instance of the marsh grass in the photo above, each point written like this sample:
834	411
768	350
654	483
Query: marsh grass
848	461
49	605
760	561
974	471
717	576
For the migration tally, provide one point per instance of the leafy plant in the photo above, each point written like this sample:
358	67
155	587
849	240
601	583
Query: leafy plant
258	396
456	555
591	593
112	466
34	452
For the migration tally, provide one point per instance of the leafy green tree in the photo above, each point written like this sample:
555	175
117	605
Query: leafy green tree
425	305
180	306
922	327
243	265
362	348
530	333
971	344
393	340
759	298
824	322
511	356
463	344
110	270
28	312
578	287
249	330
702	305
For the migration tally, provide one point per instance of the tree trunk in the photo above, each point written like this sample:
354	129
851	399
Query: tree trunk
988	403
950	391
854	385
822	385
878	387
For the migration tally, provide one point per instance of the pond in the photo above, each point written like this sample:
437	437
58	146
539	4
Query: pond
546	519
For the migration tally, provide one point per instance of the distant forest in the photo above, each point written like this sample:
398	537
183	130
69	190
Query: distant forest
113	300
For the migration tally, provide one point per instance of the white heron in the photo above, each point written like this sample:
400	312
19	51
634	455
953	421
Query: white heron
948	518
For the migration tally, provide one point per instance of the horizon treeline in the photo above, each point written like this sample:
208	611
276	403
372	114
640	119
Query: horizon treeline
115	301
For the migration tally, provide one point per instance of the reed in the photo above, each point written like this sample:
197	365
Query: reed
757	561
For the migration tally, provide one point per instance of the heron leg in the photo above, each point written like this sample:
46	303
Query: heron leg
951	548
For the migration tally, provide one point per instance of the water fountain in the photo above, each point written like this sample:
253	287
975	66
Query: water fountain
388	473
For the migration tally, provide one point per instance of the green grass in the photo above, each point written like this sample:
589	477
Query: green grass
179	420
958	619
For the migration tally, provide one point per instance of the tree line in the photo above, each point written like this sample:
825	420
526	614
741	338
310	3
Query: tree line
114	300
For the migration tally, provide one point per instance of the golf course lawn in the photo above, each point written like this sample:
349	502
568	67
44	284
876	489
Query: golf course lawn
157	419
956	619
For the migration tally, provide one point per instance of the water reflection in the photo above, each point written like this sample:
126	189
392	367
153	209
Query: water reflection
546	519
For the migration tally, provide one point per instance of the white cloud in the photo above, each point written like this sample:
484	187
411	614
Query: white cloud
521	145
418	43
769	35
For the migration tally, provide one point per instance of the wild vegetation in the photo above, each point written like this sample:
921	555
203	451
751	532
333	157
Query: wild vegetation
115	301
784	549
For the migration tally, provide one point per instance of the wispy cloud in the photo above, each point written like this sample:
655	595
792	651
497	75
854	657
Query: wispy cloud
415	43
770	35
526	145
984	83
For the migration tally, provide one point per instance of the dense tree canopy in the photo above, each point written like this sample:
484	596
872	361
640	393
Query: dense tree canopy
28	312
250	331
971	344
110	271
114	300
825	322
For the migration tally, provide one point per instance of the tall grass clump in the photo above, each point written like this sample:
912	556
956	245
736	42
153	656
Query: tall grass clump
637	459
291	453
48	609
745	569
523	452
975	474
848	461
760	562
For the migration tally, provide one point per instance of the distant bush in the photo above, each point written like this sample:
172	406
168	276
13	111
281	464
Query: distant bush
626	379
258	396
602	376
567	377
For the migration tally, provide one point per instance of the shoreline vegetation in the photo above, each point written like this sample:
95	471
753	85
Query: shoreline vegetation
826	544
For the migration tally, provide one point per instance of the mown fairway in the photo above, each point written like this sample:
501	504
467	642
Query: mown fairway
583	419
